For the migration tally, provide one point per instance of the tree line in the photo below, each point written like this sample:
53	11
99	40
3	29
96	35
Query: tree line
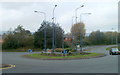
78	32
102	38
22	38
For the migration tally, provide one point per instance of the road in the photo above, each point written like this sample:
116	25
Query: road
107	64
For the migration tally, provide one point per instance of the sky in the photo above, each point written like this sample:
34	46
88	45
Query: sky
103	17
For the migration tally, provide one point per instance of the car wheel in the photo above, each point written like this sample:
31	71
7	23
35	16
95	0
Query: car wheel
110	53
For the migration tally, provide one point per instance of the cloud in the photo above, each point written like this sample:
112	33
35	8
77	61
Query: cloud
104	14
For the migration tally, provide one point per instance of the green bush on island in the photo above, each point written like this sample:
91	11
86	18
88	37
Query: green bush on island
70	49
64	56
72	54
61	49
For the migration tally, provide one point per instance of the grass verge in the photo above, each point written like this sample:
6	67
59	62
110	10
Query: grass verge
75	56
113	47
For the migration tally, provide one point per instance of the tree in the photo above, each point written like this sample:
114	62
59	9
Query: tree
87	41
78	31
10	42
59	36
39	35
97	37
19	38
23	36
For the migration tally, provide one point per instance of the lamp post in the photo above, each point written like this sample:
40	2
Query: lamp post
54	12
53	41
76	19
76	12
44	29
42	13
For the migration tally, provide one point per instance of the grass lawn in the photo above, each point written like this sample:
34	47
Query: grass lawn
75	56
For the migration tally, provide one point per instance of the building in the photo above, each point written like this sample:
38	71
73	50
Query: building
68	38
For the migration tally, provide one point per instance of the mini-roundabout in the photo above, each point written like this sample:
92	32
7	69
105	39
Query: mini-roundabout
6	66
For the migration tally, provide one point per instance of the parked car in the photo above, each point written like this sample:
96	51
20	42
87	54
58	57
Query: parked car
113	51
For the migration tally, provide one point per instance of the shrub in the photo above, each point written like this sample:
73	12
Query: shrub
68	48
73	50
59	49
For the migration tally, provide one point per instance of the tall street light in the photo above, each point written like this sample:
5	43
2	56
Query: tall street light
44	29
53	41
80	28
54	12
76	19
42	13
76	12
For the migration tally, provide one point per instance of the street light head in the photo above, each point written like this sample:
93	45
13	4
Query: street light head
86	13
55	5
35	11
89	13
82	6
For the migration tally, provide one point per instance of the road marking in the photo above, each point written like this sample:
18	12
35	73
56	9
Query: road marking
11	66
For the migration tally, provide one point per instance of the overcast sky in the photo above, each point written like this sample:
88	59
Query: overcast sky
104	15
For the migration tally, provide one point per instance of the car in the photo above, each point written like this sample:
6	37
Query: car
113	51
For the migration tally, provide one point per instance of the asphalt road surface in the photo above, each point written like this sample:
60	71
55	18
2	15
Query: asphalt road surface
107	64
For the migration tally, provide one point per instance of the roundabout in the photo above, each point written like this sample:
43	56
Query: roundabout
106	64
49	56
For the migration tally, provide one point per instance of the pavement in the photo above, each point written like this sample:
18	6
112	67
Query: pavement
107	64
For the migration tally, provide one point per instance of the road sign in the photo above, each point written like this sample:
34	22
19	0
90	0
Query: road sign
65	51
30	50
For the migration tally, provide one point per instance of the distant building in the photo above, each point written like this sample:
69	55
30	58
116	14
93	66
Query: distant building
68	38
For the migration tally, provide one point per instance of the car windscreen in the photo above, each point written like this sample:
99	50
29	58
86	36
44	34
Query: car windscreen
115	49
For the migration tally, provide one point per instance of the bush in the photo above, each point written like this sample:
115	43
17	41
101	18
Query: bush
58	49
61	49
73	50
68	48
